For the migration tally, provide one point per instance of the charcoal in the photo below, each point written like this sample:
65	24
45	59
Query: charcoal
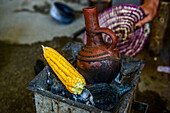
103	96
129	65
106	107
106	101
54	84
106	96
84	97
40	81
56	88
39	66
72	49
118	78
99	88
67	94
74	97
78	98
120	88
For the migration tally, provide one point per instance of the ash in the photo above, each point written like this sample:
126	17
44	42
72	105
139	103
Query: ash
102	95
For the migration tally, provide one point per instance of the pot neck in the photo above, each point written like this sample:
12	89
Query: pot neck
91	22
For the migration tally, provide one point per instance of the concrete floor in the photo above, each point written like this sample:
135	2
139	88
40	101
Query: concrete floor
30	27
25	27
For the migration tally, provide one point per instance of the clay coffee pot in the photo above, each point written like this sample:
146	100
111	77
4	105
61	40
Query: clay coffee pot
98	61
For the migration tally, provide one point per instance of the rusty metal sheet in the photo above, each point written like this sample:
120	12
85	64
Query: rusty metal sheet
48	105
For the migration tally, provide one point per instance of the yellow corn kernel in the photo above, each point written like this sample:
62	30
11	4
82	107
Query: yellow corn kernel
68	75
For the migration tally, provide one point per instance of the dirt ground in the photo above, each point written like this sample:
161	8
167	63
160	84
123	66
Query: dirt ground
17	70
17	63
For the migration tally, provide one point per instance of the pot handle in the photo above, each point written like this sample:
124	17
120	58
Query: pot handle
111	34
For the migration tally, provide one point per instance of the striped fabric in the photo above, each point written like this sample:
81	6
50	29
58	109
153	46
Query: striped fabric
121	19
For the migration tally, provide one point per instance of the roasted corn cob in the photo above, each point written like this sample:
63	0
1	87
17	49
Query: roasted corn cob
69	76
